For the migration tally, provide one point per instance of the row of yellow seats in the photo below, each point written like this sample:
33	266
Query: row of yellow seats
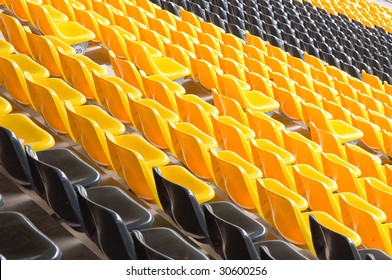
367	12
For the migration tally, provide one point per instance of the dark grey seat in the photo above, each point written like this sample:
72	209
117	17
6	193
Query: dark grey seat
20	239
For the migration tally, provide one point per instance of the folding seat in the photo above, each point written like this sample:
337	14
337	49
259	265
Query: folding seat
248	99
293	224
5	106
207	53
344	131
181	55
77	72
236	177
255	65
301	79
330	245
205	73
318	190
336	73
260	83
151	119
15	34
23	240
47	45
266	127
193	109
290	104
381	120
379	194
214	18
233	68
304	150
71	32
256	41
369	164
118	242
372	136
88	19
112	94
373	81
191	146
163	65
276	65
373	232
371	103
27	131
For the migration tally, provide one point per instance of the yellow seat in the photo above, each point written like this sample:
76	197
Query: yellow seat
373	81
154	39
299	64
128	23
160	26
256	41
273	166
58	86
44	51
157	90
254	53
304	150
337	111
293	224
381	120
233	174
369	164
163	65
205	73
211	29
308	95
113	38
189	17
231	53
314	62
257	66
67	7
89	19
317	192
371	103
328	141
354	106
229	107
6	48
5	106
322	77
250	99
326	92
266	127
290	103
183	39
301	79
193	109
374	234
345	132
276	65
112	93
180	55
151	119
71	32
372	136
360	85
282	81
379	194
28	132
281	189
77	72
104	9
346	90
260	83
231	67
232	40
191	146
336	73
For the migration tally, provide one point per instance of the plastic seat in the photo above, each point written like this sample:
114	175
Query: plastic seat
181	55
182	206
229	107
5	106
77	72
290	104
232	67
191	146
151	119
71	32
373	232
27	131
256	66
205	73
112	93
294	225
372	80
372	136
163	65
345	132
250	99
236	177
379	194
369	164
193	109
22	240
89	19
282	81
117	242
330	245
380	119
318	190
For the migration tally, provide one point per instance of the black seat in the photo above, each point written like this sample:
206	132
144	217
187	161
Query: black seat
310	49
171	7
182	207
118	243
294	51
304	37
218	11
237	10
254	20
182	3
20	239
362	66
273	29
291	39
352	70
330	245
61	197
13	160
256	31
221	3
275	41
234	243
384	77
215	19
236	30
203	4
233	19
197	10
330	59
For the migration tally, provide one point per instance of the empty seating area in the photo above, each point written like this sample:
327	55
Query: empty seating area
193	129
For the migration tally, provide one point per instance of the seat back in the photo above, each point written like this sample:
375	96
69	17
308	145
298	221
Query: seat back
181	205
331	245
205	73
41	19
379	194
140	56
229	87
113	237
15	33
229	107
233	243
328	141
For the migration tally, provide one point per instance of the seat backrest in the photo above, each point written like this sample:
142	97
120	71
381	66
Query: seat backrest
229	107
205	73
331	245
13	158
41	19
113	236
233	243
328	141
59	192
15	33
139	55
228	86
379	194
181	205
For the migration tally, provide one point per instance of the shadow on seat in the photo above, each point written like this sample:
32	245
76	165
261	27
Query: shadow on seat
20	239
